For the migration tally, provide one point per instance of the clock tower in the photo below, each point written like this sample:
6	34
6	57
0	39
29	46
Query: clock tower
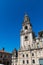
26	34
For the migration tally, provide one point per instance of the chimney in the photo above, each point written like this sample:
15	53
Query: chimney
3	49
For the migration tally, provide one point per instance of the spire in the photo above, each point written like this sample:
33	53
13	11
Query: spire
26	18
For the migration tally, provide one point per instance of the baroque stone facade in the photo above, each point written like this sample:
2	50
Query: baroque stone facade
31	47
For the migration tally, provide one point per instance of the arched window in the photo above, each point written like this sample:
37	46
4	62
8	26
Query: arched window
38	45
32	54
33	61
23	61
26	38
26	27
23	55
27	61
26	55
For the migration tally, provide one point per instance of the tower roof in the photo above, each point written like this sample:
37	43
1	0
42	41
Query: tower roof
26	18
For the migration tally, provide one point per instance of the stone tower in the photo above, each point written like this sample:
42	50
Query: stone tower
31	47
26	33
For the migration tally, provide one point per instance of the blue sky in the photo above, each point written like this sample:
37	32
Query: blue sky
11	18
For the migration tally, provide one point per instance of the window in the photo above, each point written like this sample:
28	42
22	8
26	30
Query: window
23	55
0	55
5	56
32	45
41	61
26	55
27	61
42	41
26	37
33	61
29	46
32	54
38	45
0	62
23	61
26	27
